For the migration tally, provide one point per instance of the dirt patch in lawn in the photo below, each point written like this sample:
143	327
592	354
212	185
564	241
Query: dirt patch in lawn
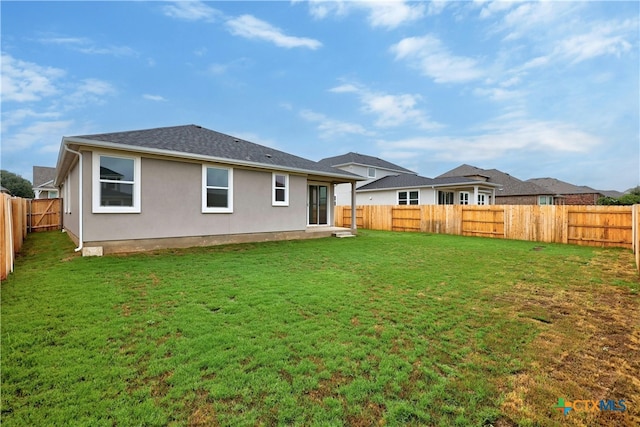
588	348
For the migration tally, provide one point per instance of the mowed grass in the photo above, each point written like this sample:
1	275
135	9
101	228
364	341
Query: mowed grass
382	329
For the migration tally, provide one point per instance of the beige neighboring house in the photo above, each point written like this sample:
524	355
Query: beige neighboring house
389	184
43	179
189	186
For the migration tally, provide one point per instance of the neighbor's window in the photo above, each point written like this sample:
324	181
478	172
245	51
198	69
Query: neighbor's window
482	199
280	193
217	189
371	172
464	197
408	198
545	200
116	184
445	197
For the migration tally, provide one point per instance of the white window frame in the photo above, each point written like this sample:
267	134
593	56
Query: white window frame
369	174
96	206
65	196
548	200
229	188
408	197
275	202
482	199
464	197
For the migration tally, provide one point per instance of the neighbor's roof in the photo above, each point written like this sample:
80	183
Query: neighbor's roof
511	186
561	187
364	160
43	175
412	181
192	141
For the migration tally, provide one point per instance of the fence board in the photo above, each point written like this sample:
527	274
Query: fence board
45	215
604	226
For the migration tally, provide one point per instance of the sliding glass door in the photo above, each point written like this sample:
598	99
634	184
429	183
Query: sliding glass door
318	205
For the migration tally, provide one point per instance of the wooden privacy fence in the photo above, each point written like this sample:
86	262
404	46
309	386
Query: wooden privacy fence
19	216
605	226
13	230
44	215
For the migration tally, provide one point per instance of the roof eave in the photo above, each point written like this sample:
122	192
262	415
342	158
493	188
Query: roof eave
79	142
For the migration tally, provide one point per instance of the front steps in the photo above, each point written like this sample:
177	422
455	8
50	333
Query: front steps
343	234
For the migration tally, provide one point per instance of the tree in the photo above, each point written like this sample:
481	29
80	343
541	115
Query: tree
17	185
631	197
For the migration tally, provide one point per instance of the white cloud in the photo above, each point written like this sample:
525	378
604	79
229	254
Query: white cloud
88	91
191	11
250	27
24	81
496	139
492	7
88	46
602	39
330	128
320	9
385	14
428	55
391	110
392	14
156	98
37	134
16	117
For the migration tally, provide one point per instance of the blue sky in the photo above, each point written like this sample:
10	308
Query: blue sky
542	89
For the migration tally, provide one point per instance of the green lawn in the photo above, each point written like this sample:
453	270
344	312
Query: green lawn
386	328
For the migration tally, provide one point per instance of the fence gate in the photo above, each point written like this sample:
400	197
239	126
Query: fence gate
44	215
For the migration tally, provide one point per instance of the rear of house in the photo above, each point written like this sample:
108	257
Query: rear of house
188	186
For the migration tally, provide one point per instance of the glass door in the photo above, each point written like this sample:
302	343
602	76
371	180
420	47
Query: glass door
318	205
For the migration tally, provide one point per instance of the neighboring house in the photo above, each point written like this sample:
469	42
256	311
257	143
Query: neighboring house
43	178
390	184
4	190
369	167
189	186
569	194
511	190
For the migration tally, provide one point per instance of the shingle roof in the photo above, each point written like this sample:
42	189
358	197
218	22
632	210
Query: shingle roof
196	140
561	187
43	175
511	186
363	159
410	180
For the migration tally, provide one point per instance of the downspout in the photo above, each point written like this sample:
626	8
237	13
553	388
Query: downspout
80	209
354	227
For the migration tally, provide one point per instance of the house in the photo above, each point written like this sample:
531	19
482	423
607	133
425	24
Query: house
368	167
43	178
569	194
511	190
188	186
390	184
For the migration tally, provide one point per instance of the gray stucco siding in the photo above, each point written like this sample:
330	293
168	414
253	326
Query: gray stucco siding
171	205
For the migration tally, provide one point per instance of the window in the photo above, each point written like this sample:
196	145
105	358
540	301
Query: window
408	198
464	197
445	197
482	199
66	194
280	193
545	200
217	189
116	184
371	172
